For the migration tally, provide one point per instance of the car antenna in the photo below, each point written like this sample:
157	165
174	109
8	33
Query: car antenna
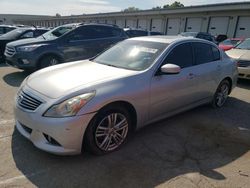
34	26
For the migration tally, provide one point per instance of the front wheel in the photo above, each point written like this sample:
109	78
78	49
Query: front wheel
47	61
221	94
108	131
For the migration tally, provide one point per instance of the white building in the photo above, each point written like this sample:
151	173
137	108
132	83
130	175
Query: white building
232	19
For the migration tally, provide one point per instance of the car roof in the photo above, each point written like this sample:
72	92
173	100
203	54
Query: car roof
168	39
8	26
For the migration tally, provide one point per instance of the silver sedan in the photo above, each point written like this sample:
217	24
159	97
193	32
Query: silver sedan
97	104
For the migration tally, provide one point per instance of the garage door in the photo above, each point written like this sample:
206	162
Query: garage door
218	25
131	23
193	24
173	27
142	24
120	23
243	27
110	21
157	25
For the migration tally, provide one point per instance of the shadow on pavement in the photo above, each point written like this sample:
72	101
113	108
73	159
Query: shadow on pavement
199	141
2	64
15	79
243	83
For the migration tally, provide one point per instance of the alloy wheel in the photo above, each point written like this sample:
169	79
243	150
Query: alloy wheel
222	94
111	131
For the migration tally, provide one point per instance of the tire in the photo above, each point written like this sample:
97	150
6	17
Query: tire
47	61
221	94
108	130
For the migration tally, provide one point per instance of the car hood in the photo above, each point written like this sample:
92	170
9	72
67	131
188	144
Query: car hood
59	80
239	54
29	41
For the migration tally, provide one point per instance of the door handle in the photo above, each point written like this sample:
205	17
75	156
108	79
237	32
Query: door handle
191	75
218	67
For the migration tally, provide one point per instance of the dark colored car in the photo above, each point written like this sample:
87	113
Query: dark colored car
155	33
200	35
65	43
131	32
6	28
228	44
17	34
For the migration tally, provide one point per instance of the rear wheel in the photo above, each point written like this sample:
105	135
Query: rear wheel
49	60
221	94
108	131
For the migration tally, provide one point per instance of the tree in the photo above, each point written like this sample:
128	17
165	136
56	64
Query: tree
175	4
58	15
131	9
156	8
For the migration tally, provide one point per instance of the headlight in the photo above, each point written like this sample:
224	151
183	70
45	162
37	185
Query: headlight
69	107
28	48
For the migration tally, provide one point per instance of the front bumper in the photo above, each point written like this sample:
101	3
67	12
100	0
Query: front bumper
244	72
68	132
24	60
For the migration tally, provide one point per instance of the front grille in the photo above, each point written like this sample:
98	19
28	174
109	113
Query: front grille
28	102
243	63
9	51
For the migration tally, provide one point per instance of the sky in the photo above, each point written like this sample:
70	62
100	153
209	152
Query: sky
77	7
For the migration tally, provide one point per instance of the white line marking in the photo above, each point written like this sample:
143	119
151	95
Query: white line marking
11	180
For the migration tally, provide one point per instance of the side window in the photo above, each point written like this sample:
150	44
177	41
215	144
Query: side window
1	30
39	32
106	32
203	53
216	53
181	55
81	33
29	34
7	29
116	32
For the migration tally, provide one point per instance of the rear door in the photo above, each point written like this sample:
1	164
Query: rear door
207	68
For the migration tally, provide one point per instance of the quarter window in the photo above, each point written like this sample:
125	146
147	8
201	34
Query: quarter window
181	55
216	53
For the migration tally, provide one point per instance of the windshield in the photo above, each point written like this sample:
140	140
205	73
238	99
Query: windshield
244	45
14	33
132	54
57	32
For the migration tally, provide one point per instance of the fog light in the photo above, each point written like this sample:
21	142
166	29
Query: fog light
51	140
25	61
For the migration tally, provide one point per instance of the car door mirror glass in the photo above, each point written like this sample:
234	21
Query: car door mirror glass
170	69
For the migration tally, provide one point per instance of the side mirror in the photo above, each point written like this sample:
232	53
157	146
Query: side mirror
170	69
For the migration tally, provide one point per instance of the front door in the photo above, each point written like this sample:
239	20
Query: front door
170	92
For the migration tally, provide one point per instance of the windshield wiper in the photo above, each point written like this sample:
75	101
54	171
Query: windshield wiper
111	65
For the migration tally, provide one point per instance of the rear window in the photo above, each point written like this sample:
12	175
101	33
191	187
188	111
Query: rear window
203	53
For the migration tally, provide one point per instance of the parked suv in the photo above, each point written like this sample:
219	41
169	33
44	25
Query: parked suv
132	32
17	34
65	43
200	35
